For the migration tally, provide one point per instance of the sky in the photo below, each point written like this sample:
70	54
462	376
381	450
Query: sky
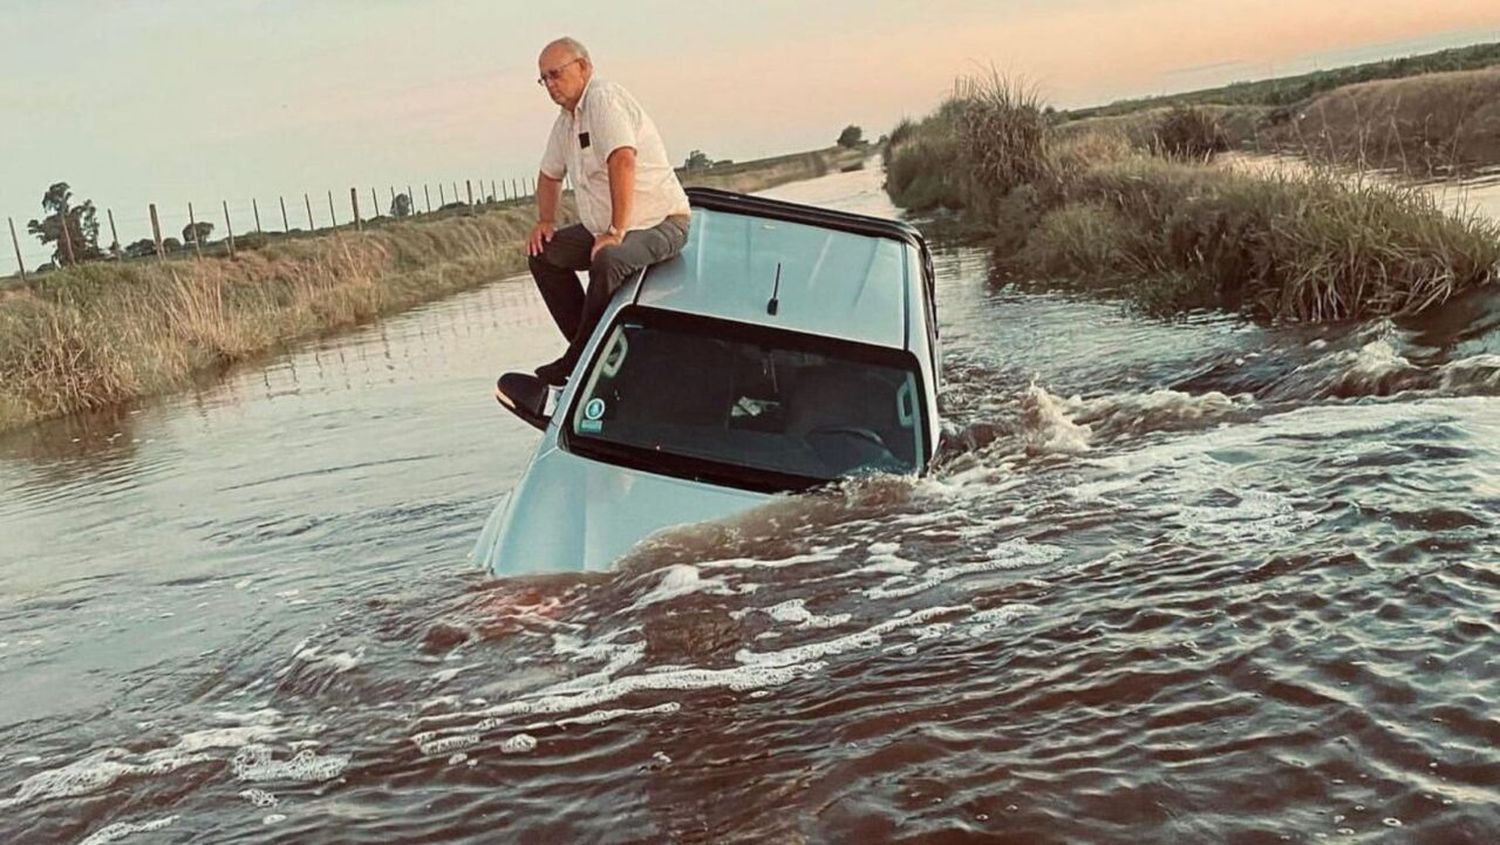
177	101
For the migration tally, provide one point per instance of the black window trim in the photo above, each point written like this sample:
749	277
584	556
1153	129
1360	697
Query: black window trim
714	472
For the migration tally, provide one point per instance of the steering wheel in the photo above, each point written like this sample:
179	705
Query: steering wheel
851	431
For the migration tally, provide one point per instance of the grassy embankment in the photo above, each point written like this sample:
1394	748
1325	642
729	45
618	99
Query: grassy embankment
1421	115
107	332
1144	215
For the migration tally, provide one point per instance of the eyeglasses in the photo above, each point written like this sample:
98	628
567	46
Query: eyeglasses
556	73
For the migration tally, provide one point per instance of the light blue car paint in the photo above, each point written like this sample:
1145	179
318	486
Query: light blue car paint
571	512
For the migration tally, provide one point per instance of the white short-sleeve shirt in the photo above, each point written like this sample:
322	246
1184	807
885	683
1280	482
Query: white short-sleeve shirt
608	118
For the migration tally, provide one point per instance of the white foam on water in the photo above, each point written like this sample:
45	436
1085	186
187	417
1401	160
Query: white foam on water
806	654
443	745
819	555
680	580
97	771
1047	428
256	763
273	818
260	798
989	620
882	562
195	741
339	662
1011	554
795	611
1159	409
518	744
598	717
1259	515
550	700
120	830
622	657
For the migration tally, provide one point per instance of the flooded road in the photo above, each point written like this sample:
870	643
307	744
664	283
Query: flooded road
1186	581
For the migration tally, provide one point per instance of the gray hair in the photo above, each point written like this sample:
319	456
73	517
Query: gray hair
574	46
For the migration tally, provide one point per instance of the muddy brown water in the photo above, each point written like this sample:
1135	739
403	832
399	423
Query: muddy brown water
1173	581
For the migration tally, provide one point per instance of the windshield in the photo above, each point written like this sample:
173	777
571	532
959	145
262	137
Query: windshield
745	405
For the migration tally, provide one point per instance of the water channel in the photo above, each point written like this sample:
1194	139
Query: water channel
1197	580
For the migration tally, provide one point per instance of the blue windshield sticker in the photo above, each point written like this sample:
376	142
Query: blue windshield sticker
590	426
594	410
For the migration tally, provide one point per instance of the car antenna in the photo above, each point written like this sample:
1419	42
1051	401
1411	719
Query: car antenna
775	290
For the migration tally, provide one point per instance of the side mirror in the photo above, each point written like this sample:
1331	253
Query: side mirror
525	396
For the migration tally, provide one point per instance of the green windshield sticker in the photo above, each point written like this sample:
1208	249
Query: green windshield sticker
590	426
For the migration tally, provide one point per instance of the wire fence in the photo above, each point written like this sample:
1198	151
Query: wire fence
160	232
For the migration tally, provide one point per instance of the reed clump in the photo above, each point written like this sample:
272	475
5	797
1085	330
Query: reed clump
1099	210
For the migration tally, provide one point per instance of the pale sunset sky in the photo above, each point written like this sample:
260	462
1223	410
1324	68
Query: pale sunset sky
171	101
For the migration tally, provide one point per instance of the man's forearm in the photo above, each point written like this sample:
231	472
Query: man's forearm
548	194
621	187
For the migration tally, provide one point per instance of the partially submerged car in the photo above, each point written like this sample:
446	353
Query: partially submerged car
787	347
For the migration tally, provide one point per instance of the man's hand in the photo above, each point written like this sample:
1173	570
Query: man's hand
603	240
541	235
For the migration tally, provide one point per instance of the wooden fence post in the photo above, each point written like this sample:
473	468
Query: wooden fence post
333	216
193	227
374	204
469	187
354	204
118	248
311	227
513	188
428	195
442	197
411	202
20	262
494	194
161	250
228	227
286	225
255	207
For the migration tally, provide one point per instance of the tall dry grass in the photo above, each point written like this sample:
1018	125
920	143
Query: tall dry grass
1424	125
1100	210
99	334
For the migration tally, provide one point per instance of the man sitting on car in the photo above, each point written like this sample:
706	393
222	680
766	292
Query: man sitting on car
633	210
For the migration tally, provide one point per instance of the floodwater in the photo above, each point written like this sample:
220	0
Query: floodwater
1173	581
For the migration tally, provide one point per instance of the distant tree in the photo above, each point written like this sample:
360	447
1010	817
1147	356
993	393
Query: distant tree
698	160
170	244
851	137
143	248
82	227
197	232
401	206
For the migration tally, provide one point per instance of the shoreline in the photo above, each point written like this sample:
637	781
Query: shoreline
1135	206
105	333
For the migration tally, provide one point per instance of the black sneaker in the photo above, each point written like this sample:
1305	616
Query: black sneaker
555	373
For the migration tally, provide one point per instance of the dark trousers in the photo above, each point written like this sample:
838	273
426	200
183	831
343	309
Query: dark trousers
577	311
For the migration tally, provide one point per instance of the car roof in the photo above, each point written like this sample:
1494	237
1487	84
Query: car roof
833	273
